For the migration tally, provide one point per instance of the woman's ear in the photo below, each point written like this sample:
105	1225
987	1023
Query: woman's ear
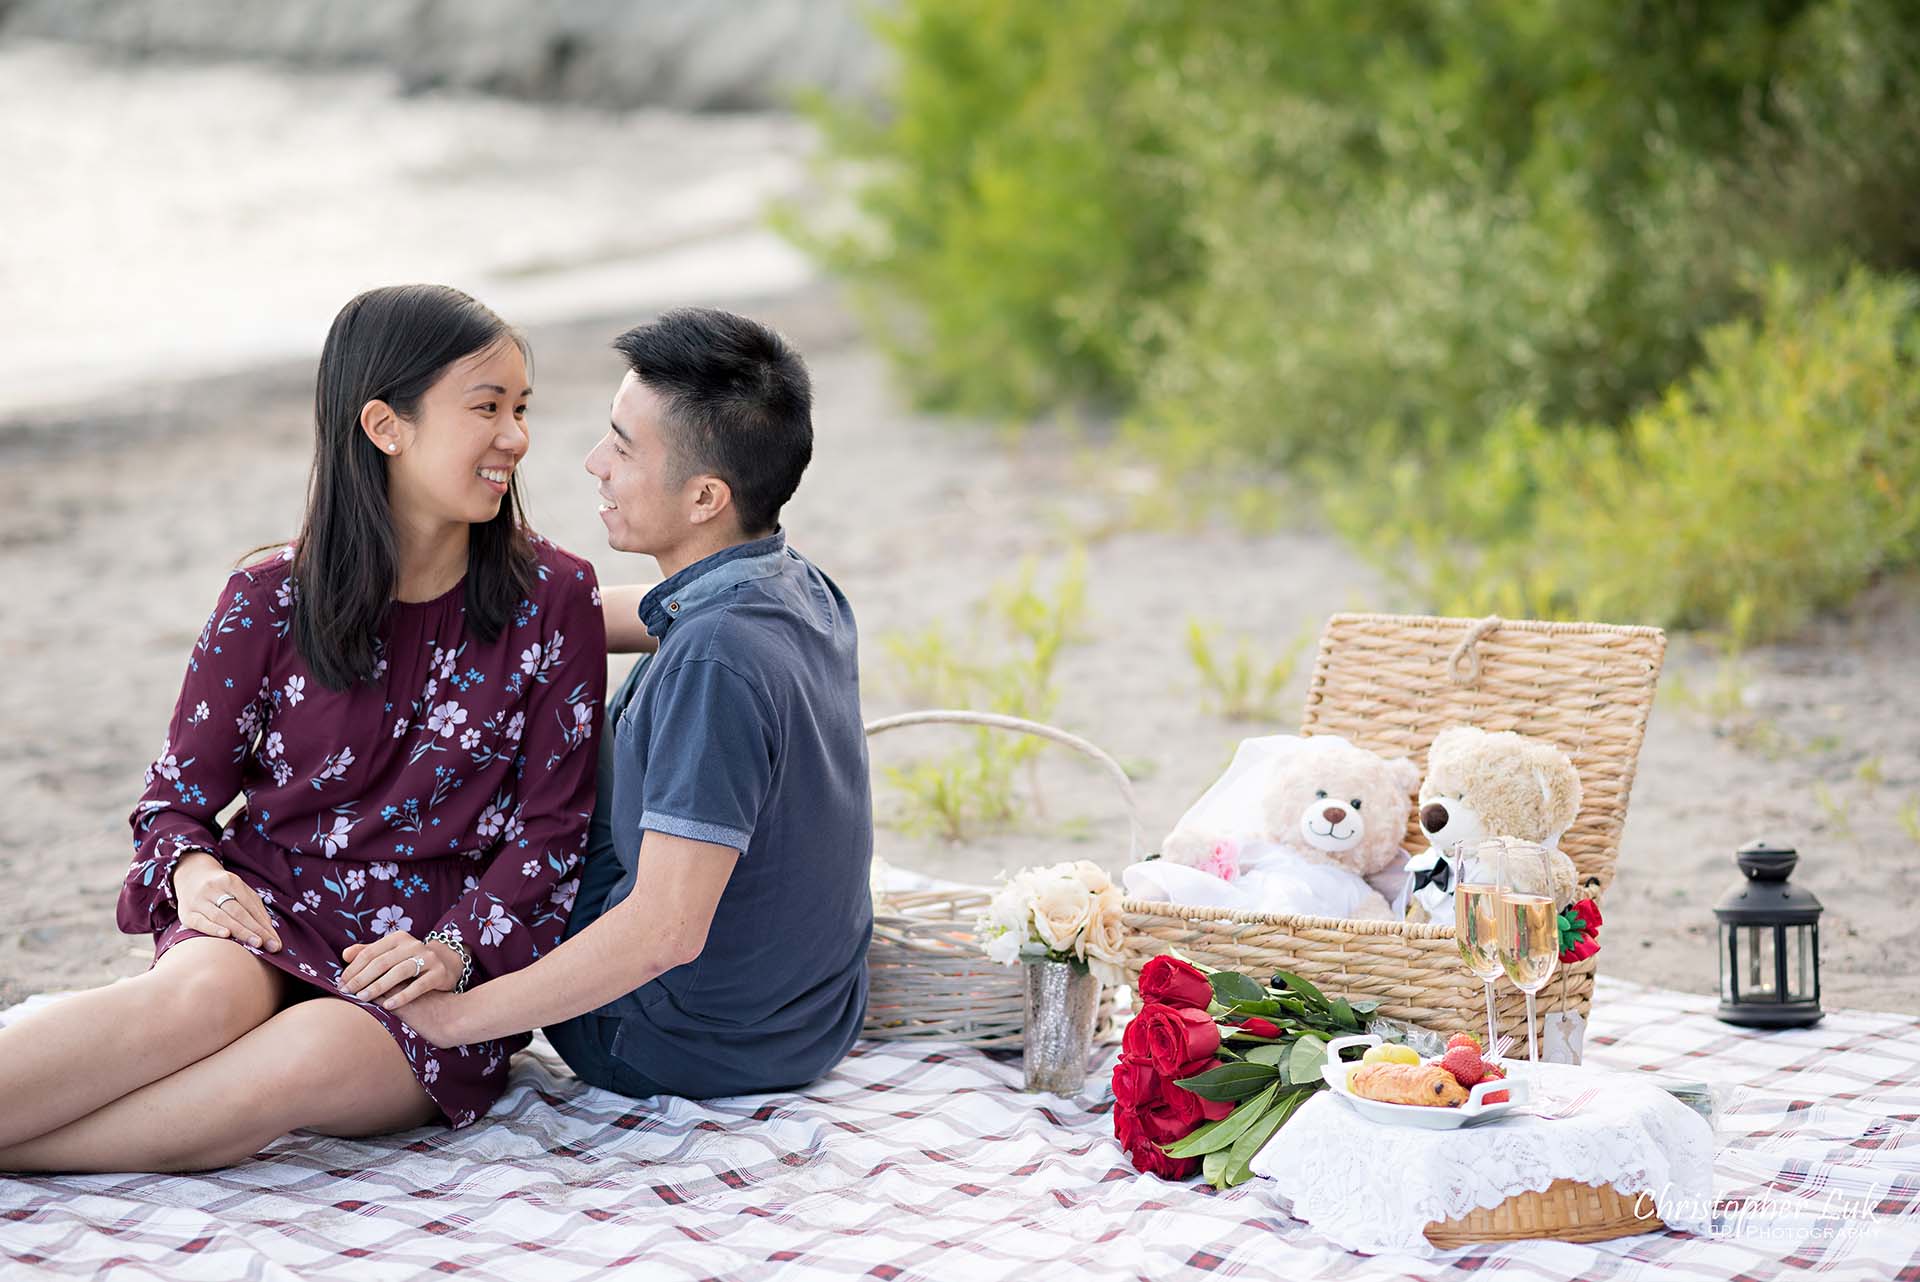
382	426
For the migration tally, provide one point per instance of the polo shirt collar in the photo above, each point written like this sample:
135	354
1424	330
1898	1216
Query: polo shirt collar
679	594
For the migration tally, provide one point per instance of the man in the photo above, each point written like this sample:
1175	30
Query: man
719	935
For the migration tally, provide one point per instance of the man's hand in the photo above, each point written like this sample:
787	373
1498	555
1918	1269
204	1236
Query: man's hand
434	1016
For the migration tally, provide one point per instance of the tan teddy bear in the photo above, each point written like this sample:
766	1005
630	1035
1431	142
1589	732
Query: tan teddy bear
1482	785
1296	826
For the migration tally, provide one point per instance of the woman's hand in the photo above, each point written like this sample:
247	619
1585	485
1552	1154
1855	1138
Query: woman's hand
398	961
216	902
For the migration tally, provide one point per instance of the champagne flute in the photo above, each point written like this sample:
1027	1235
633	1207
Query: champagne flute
1529	932
1476	934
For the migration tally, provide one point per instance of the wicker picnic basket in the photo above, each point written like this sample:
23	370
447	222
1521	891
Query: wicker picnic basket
927	979
1390	683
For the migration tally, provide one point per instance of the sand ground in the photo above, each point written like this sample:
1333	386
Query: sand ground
119	520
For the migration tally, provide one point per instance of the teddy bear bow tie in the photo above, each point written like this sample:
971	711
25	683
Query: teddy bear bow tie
1440	876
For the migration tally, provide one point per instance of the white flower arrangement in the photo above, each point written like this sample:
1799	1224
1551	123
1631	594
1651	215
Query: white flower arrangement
1066	912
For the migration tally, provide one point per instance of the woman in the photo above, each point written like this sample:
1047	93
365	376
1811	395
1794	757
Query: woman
404	700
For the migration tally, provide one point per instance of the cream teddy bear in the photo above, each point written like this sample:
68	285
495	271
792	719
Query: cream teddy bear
1482	785
1308	826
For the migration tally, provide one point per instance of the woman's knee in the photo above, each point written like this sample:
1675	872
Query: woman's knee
212	985
340	1072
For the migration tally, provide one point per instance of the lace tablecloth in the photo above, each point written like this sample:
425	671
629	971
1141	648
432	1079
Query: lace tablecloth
1374	1186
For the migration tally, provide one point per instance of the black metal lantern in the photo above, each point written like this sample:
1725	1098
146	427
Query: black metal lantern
1769	944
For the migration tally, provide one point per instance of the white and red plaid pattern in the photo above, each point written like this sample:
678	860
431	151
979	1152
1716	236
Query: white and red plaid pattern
930	1164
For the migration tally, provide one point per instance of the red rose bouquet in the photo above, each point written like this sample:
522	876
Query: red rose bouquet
1214	1063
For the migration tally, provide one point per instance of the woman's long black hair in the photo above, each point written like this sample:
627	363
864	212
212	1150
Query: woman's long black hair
391	345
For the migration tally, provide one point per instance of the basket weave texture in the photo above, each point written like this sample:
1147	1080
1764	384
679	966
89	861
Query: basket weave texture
1391	683
1567	1210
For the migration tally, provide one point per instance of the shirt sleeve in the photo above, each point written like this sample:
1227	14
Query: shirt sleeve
710	755
222	708
518	909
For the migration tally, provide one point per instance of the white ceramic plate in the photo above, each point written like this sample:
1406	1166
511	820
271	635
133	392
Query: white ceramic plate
1425	1116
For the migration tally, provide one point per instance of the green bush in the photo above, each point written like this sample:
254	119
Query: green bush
1777	479
1412	246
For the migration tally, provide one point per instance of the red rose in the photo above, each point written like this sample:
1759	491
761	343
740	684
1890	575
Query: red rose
1173	982
1144	1153
1176	1116
1172	1038
1135	1084
1259	1027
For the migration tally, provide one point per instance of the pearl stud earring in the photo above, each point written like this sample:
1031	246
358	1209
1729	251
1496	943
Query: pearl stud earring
392	448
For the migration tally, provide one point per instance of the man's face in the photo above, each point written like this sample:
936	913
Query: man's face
644	511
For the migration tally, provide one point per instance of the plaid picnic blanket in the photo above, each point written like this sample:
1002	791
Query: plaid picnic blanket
929	1163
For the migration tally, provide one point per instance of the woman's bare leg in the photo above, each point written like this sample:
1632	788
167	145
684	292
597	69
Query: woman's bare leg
322	1065
66	1060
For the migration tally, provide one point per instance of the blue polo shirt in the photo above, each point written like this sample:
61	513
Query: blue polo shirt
744	730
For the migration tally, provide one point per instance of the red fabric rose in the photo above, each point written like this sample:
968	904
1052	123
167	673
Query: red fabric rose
1171	1037
1172	982
1259	1027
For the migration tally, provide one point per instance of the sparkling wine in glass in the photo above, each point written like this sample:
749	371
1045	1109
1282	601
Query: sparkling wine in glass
1529	950
1476	932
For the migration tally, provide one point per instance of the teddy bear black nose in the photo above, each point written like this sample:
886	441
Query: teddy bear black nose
1433	816
1333	814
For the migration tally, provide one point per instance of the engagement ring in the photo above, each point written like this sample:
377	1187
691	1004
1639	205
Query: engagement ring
419	964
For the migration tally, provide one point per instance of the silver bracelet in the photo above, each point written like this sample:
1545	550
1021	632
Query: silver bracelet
450	936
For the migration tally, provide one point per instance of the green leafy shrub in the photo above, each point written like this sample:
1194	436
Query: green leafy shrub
1777	479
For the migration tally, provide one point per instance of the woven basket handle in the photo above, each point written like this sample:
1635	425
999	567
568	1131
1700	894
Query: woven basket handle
998	721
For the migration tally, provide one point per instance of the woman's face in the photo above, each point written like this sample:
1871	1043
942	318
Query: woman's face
453	460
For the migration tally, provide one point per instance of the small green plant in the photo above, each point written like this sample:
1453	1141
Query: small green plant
1872	772
974	787
1910	819
1241	685
1831	806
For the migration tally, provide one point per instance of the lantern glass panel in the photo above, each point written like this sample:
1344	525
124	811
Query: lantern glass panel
1800	963
1729	935
1757	977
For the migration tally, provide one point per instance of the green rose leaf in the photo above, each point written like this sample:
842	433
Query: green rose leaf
1274	1053
1234	1081
1294	984
1215	1136
1240	1156
1308	1056
1230	988
1213	1167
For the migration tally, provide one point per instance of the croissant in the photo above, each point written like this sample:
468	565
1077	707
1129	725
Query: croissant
1427	1084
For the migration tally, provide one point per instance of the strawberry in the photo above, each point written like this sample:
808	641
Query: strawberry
1465	1064
1494	1073
1463	1039
1493	1070
1496	1097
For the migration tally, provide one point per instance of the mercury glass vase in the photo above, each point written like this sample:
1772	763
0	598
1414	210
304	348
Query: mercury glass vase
1063	1003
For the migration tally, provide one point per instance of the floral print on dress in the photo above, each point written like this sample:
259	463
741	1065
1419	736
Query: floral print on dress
449	792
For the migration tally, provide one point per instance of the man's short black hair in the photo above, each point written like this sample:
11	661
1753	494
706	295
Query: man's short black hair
739	404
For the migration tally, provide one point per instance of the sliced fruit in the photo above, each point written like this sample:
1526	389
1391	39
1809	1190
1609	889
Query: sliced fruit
1390	1053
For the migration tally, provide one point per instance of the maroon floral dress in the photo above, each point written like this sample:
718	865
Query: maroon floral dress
451	792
